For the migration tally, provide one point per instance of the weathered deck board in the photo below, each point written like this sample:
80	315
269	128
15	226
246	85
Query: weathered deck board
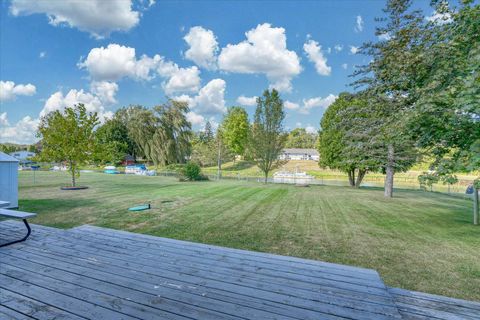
95	273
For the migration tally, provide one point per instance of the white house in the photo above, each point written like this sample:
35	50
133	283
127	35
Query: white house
23	156
299	154
9	179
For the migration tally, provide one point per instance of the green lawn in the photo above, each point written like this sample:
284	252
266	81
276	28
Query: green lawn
418	241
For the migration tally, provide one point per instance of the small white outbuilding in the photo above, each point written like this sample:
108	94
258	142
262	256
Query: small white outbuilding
9	179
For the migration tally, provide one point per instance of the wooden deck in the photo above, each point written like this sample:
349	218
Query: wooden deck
96	273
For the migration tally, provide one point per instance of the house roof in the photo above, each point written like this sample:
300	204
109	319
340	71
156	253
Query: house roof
311	152
6	158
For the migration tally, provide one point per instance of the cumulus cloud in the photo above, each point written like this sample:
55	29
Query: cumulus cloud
105	91
195	118
58	101
42	54
203	47
9	90
358	24
344	66
115	62
309	104
98	17
354	50
263	52
247	101
291	105
384	36
4	119
22	132
315	55
209	100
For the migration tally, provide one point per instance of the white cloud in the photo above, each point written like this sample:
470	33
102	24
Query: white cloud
203	47
195	118
247	101
209	100
311	129
105	91
9	90
309	104
42	54
115	62
315	55
354	50
384	36
4	119
338	47
358	24
57	101
263	52
181	80
439	18
344	66
23	132
291	105
98	17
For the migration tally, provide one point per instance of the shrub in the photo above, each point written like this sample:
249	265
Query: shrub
191	172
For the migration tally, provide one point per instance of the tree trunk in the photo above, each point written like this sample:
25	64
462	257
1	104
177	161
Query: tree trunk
475	206
361	175
266	176
351	177
72	171
390	171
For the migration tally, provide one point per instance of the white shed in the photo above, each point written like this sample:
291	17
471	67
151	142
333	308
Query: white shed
9	179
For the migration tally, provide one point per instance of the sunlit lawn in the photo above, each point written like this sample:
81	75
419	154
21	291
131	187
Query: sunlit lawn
418	240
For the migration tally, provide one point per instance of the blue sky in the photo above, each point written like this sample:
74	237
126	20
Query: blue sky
119	52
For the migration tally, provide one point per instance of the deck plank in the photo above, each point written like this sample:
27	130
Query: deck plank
95	273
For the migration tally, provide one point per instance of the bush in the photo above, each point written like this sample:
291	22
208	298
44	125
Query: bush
191	172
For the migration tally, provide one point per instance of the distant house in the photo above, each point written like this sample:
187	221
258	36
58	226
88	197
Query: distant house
128	160
23	156
299	154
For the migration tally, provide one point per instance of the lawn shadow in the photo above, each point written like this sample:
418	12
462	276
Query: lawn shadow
54	205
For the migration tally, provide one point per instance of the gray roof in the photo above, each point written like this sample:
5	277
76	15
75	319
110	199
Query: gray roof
312	152
6	158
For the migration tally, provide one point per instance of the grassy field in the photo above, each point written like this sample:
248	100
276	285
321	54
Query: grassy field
418	240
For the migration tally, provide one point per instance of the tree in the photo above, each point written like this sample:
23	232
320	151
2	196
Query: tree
343	143
391	79
206	135
113	141
69	137
267	138
235	130
300	138
172	134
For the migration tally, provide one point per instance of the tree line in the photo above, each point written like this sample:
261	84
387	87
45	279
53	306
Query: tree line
419	95
162	135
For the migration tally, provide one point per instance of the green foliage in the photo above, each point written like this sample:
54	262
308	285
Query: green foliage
191	172
428	179
447	112
162	134
113	142
300	138
68	137
235	128
267	138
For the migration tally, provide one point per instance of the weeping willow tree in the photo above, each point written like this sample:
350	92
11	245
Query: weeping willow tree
162	134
